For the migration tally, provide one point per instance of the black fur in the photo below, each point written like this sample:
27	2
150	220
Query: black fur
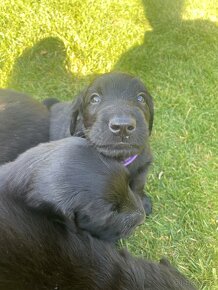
49	102
122	99
24	123
42	242
70	178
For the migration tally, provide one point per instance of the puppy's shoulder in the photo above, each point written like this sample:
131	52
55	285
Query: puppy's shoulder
60	118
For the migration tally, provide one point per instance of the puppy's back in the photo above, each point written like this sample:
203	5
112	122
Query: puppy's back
24	123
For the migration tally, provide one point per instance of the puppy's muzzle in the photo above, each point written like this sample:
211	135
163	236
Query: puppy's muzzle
122	125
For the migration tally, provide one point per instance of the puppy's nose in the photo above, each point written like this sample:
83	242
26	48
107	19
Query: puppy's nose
122	125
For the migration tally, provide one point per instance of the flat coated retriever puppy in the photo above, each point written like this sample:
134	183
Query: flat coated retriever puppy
39	254
70	178
115	113
50	198
24	123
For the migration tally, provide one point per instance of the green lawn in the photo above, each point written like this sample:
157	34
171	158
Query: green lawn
53	48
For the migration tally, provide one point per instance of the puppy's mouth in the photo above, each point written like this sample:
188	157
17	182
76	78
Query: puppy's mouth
119	147
119	150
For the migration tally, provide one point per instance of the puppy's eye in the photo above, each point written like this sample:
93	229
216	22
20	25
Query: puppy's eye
95	99
141	98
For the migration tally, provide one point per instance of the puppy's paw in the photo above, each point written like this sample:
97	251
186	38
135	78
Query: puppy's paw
147	204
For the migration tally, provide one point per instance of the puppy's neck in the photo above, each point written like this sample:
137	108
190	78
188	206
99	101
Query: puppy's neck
129	160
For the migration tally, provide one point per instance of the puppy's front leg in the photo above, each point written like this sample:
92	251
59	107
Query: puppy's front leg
137	185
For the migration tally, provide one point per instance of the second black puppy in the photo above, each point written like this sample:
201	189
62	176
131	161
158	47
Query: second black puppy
24	123
69	178
37	253
115	113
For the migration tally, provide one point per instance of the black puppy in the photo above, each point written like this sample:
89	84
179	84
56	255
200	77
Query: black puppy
70	178
115	113
44	205
24	123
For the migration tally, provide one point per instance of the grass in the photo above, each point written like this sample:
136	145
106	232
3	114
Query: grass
53	48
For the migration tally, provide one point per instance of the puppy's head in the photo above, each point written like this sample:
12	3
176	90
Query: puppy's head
115	113
104	205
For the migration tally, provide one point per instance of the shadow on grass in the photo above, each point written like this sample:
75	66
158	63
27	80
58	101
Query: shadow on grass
42	70
175	49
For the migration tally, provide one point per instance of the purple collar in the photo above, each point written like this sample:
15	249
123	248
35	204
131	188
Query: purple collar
129	160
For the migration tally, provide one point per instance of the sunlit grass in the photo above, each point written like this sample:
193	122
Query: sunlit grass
206	10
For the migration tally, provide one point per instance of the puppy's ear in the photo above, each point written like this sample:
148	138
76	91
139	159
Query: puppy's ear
49	102
150	104
76	114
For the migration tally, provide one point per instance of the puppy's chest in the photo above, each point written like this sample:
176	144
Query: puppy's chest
137	166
